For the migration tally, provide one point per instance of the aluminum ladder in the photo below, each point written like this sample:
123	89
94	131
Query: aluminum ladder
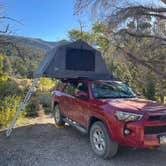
22	106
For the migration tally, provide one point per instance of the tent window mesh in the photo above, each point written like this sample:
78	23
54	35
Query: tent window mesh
80	59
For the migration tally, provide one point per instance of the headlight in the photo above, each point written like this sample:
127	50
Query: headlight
126	116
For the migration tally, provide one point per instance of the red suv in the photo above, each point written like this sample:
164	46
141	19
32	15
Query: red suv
111	113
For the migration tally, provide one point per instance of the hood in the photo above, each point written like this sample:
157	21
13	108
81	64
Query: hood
135	105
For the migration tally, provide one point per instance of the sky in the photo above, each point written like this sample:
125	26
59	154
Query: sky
46	19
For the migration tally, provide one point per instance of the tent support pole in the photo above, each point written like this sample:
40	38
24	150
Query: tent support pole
22	106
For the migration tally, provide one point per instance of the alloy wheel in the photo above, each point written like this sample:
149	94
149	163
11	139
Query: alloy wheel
98	140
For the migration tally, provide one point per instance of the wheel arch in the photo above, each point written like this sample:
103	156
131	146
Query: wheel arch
53	104
94	119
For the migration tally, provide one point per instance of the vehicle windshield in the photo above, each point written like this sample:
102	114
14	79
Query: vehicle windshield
111	89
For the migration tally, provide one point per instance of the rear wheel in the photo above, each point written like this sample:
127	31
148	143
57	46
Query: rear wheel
101	143
58	118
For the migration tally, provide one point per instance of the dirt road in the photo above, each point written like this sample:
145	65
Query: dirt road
44	145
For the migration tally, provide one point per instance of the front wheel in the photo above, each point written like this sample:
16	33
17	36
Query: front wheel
101	143
58	118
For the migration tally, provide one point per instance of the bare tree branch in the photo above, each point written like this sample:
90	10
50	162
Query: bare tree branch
144	35
9	18
81	5
6	29
142	62
121	14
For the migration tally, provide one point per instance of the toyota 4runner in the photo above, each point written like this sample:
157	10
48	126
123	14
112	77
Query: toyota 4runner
111	113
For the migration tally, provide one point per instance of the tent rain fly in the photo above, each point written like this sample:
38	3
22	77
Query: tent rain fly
73	60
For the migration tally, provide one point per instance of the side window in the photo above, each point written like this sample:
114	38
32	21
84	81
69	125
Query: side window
69	89
82	86
61	86
73	87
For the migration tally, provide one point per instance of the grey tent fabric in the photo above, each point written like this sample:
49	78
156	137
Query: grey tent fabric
73	60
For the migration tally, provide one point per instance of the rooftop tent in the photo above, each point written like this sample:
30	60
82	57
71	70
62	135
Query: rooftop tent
73	60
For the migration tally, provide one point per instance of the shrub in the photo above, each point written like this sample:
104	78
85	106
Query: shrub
9	88
33	107
150	88
45	101
8	108
45	84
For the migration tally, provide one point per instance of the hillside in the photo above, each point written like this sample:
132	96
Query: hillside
34	42
25	57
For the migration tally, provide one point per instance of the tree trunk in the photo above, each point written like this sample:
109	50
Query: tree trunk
162	98
161	91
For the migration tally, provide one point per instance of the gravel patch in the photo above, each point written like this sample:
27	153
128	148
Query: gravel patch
45	145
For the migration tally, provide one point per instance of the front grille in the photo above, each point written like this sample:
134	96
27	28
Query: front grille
154	129
157	118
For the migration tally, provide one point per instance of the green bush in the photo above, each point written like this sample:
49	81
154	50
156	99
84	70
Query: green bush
9	87
149	90
33	107
8	108
45	84
45	101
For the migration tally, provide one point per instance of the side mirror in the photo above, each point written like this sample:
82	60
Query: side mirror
82	95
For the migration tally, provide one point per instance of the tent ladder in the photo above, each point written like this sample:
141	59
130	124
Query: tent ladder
22	106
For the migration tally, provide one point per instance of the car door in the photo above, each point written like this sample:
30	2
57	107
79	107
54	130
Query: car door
72	106
60	96
67	100
80	107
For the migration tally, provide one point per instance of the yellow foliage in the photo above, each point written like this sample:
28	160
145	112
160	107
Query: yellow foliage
45	84
8	109
3	77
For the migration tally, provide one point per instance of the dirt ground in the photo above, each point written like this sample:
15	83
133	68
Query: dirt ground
39	143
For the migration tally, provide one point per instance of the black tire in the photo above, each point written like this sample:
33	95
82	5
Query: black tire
106	149
58	118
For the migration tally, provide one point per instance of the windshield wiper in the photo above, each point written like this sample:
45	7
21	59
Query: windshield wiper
125	96
104	97
113	97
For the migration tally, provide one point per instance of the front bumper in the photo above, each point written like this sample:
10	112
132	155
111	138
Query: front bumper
139	138
143	133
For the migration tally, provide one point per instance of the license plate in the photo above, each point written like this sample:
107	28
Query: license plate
163	139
